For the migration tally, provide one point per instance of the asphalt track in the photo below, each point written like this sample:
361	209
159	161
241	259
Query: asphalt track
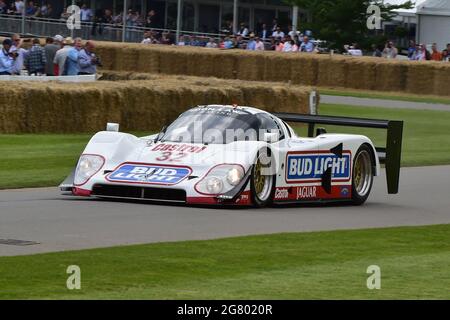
63	222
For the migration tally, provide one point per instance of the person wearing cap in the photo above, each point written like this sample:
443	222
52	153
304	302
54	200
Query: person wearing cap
251	44
6	58
51	47
61	55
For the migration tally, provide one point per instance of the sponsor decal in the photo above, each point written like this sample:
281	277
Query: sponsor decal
243	198
179	148
303	167
345	191
306	192
281	193
149	174
311	193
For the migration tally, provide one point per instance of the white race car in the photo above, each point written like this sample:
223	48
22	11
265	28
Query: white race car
232	155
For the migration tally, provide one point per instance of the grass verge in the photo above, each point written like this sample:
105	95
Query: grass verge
414	264
384	95
37	160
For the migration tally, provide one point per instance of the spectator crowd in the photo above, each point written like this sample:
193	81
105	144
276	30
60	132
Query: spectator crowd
415	52
265	36
32	9
58	57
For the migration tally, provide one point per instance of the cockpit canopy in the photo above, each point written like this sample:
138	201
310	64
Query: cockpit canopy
220	125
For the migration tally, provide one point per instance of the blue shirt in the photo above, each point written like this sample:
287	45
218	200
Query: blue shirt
307	46
228	44
85	62
72	62
251	45
6	62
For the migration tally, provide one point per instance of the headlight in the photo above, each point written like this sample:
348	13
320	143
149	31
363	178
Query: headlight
220	179
88	165
214	185
234	176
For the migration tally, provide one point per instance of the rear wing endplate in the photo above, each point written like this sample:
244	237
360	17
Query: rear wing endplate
390	154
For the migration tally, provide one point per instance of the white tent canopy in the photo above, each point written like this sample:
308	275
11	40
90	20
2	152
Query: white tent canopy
433	22
398	2
435	7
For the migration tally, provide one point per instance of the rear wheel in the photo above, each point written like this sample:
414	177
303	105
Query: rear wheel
362	177
262	183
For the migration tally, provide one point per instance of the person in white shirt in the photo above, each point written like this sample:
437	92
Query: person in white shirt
211	43
259	45
19	6
20	54
287	46
353	50
278	33
61	55
293	33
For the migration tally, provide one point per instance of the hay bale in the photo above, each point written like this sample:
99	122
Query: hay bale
248	66
173	62
420	77
391	75
332	71
148	61
277	67
304	69
361	73
441	79
139	105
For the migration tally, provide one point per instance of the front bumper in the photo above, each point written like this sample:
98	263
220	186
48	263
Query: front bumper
158	194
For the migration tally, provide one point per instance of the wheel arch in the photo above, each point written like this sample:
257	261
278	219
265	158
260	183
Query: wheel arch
374	157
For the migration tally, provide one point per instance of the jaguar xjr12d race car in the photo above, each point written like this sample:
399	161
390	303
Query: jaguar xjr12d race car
233	155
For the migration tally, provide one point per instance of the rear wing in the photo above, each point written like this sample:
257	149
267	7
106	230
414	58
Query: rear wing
390	154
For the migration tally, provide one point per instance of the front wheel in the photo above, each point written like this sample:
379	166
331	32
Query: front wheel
262	182
362	177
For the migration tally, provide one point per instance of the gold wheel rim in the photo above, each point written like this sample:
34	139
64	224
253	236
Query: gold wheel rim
260	180
362	175
358	173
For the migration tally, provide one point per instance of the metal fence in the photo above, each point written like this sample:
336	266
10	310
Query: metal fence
10	24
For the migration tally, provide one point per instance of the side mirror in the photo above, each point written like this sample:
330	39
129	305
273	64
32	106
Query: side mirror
270	137
320	131
113	127
160	134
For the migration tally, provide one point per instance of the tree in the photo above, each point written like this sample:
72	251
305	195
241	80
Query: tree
344	21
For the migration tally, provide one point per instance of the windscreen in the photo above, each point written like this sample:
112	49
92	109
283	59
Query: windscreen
212	125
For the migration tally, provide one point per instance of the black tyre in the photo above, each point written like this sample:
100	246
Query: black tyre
362	174
262	186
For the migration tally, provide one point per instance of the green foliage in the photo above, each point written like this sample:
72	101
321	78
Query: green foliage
414	264
343	22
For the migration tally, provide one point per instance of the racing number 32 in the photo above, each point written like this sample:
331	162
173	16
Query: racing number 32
171	156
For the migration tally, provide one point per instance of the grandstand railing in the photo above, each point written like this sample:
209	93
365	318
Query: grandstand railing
44	27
